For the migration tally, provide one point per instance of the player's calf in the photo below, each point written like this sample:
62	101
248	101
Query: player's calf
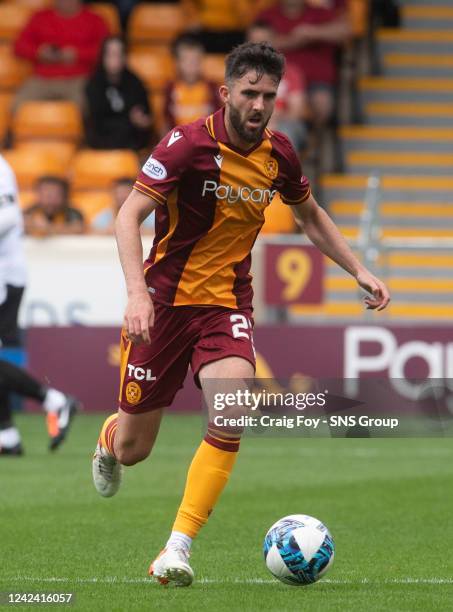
130	453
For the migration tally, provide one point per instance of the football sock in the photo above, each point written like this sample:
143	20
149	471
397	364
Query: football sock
9	437
18	380
108	432
53	400
5	409
206	479
179	540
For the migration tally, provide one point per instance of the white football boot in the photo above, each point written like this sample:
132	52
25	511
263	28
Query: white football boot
172	567
106	472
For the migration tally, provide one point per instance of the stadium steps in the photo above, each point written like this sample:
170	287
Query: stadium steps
410	113
408	141
428	65
405	89
408	162
419	42
377	138
403	188
427	17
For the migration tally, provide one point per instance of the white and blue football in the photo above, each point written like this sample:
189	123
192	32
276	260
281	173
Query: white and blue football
298	549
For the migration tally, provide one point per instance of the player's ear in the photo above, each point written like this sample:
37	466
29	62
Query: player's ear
224	93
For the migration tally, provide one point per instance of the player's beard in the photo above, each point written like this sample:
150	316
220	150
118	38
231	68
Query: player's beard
249	136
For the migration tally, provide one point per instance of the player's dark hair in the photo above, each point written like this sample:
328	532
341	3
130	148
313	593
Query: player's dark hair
188	41
260	57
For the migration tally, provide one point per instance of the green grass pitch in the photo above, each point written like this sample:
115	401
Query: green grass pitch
388	504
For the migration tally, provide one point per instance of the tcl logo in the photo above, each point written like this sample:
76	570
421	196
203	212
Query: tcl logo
140	373
393	358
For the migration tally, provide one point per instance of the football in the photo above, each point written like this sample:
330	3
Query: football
298	549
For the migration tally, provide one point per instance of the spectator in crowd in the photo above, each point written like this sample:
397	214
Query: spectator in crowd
190	96
310	32
290	109
118	112
63	44
104	221
51	214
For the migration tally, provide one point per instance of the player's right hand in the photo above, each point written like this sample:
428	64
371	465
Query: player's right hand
138	318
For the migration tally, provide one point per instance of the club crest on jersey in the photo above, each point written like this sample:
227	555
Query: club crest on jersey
271	168
133	393
154	169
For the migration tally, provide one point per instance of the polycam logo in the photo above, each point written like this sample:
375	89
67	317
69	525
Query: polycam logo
154	169
235	194
392	358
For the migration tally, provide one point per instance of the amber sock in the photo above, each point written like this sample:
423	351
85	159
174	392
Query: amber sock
206	479
108	431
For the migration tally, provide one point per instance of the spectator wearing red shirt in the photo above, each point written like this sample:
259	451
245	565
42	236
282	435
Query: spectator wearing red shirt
63	44
309	32
290	109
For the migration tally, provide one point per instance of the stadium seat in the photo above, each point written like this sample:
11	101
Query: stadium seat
62	150
153	68
59	120
13	71
29	165
214	67
155	23
90	203
5	105
109	14
26	197
358	15
156	102
13	18
35	5
96	170
279	218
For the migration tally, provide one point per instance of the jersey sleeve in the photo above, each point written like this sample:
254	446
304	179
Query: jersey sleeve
294	186
164	167
10	213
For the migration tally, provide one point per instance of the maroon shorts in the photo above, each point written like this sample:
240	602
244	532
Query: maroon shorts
152	374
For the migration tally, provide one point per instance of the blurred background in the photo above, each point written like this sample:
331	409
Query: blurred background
87	89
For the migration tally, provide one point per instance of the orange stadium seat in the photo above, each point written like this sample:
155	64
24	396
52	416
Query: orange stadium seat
154	69
279	218
59	120
96	170
214	67
27	197
156	102
13	71
90	203
358	16
155	23
5	105
62	150
13	18
29	165
109	14
35	5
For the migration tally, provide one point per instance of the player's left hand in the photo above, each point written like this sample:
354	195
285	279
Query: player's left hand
379	294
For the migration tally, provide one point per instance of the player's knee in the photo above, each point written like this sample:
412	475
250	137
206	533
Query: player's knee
132	453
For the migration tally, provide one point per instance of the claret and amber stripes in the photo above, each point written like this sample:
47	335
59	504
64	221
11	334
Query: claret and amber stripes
149	191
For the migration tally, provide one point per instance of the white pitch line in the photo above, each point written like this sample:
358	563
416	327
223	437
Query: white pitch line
118	580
